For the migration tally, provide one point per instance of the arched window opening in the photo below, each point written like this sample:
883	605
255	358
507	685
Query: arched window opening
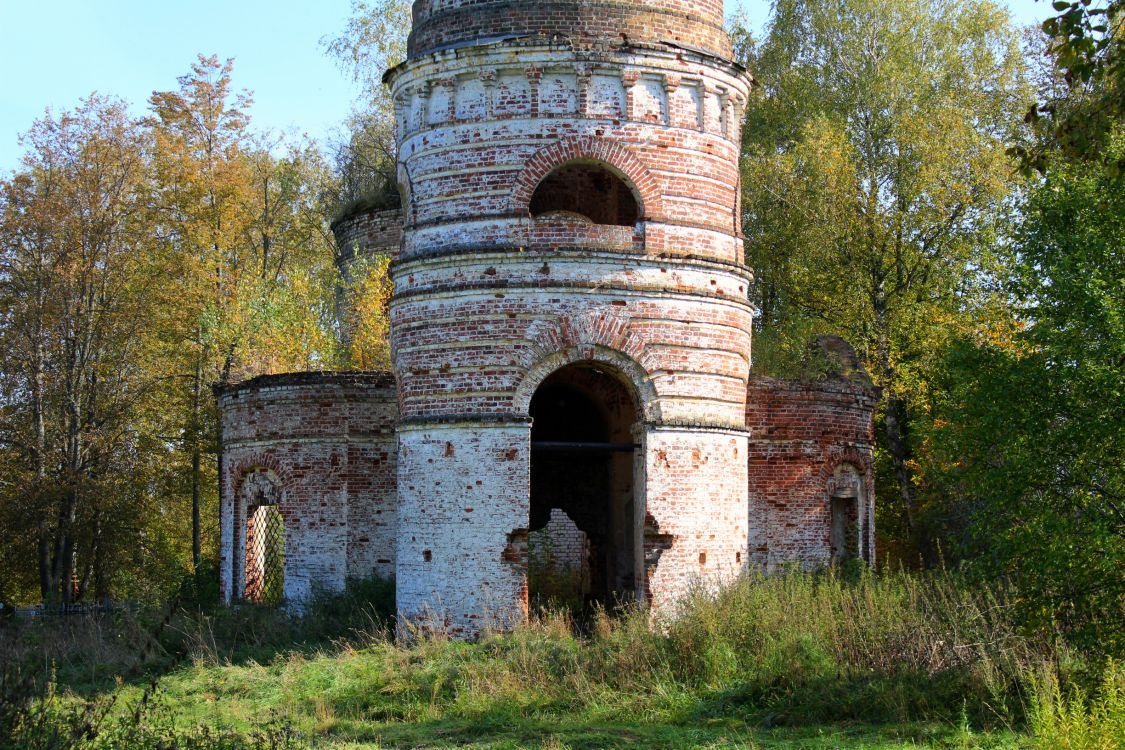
847	538
265	556
586	191
582	491
263	543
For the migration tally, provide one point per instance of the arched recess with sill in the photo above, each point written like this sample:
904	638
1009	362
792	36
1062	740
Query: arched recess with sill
551	176
848	515
586	191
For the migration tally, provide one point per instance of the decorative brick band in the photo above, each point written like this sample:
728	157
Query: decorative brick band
546	286
719	428
462	420
462	254
378	379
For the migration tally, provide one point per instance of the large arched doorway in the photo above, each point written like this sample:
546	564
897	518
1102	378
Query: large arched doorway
582	472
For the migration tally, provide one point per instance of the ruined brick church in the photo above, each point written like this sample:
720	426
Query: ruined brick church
570	333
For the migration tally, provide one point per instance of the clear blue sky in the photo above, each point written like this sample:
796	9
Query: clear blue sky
52	52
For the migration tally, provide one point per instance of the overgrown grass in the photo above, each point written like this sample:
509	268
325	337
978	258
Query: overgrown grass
800	660
90	654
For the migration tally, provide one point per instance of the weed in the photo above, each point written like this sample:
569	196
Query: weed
1070	719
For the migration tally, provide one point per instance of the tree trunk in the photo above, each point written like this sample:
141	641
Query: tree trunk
43	547
894	430
39	440
196	465
98	563
66	579
894	419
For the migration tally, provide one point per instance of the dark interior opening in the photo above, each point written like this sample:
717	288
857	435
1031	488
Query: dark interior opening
582	462
588	190
845	529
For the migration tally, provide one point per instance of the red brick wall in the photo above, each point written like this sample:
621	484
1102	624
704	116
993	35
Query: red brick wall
328	441
799	434
376	231
489	300
698	23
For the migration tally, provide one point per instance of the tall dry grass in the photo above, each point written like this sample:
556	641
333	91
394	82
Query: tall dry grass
799	648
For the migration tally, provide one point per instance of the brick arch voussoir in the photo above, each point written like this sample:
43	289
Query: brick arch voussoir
236	475
615	155
636	377
243	467
864	463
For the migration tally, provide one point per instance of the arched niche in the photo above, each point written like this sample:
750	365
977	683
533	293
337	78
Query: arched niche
847	498
588	192
615	157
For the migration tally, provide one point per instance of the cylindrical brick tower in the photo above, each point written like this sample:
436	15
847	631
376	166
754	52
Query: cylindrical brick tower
570	324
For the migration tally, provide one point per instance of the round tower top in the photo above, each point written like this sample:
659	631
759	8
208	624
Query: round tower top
442	24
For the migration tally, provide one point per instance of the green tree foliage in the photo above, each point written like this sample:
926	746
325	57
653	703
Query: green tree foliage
76	292
140	262
1078	116
874	181
373	40
368	300
365	163
1034	435
245	232
204	179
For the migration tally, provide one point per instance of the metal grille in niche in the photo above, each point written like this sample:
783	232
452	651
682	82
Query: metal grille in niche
265	556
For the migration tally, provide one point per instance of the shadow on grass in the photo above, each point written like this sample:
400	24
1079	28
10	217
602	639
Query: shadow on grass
91	656
568	732
947	697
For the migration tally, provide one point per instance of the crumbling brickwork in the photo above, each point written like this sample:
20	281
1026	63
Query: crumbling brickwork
363	234
441	24
559	545
325	446
510	115
364	237
801	436
570	332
